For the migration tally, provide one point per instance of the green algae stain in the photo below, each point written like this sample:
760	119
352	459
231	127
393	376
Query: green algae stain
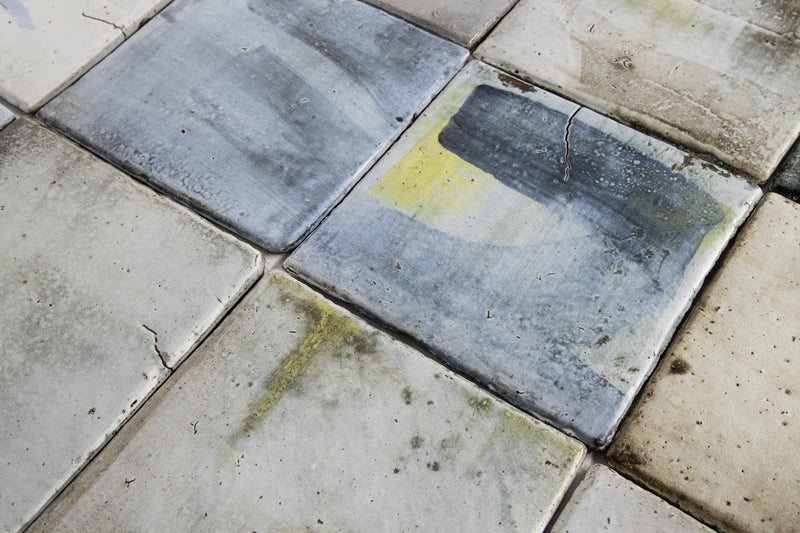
329	333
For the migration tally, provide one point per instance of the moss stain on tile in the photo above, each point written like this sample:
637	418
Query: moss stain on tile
329	330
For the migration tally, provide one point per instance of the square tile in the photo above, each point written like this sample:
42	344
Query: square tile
98	299
464	21
45	46
260	115
295	415
787	178
718	77
716	427
542	249
606	501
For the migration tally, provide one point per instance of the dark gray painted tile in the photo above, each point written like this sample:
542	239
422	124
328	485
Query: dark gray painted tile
261	115
787	178
555	284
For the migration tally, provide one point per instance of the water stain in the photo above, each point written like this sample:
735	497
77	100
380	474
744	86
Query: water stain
329	333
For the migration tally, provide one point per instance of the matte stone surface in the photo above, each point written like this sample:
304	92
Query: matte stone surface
714	75
716	428
606	501
463	21
45	46
787	178
555	284
297	416
5	116
101	279
260	115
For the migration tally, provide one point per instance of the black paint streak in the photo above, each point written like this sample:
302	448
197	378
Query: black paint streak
637	206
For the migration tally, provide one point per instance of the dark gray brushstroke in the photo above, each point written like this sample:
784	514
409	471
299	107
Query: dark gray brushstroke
234	108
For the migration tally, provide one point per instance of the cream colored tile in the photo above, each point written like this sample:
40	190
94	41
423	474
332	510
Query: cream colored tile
716	427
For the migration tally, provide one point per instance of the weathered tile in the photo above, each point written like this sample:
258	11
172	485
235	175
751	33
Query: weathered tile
259	114
716	428
787	178
719	77
464	21
101	279
5	116
45	46
295	416
606	501
557	285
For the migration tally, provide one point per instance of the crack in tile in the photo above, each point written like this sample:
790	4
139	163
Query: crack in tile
124	35
155	348
566	144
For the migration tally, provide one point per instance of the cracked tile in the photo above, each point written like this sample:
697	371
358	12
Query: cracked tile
787	178
464	21
716	427
556	288
101	281
295	415
606	501
45	46
711	75
259	115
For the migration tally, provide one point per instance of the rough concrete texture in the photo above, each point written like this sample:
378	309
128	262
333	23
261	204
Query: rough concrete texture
716	427
718	77
103	283
295	415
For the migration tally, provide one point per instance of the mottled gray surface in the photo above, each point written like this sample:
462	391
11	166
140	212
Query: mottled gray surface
463	21
261	115
296	416
556	285
787	178
101	280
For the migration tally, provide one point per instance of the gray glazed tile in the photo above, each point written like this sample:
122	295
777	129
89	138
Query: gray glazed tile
716	428
556	285
464	21
787	178
260	115
45	46
6	117
95	294
606	501
714	76
295	415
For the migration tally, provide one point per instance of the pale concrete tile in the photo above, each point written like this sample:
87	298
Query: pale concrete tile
6	117
45	46
606	501
463	21
295	415
261	115
787	178
716	428
101	279
556	283
711	80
